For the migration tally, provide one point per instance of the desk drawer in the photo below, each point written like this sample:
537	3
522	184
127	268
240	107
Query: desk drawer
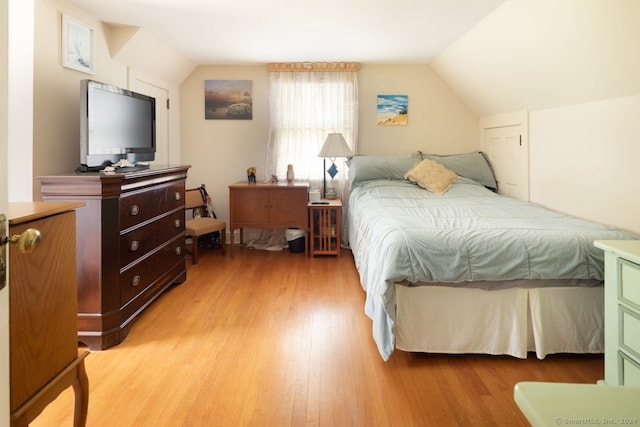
140	206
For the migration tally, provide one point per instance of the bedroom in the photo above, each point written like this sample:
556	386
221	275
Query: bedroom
573	166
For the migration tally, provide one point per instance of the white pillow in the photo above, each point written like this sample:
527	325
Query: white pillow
432	175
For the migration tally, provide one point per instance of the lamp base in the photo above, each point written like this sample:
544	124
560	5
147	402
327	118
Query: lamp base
331	193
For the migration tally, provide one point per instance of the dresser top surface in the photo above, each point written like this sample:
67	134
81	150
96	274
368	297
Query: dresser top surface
268	185
628	249
152	170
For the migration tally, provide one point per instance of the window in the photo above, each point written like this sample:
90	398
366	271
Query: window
307	102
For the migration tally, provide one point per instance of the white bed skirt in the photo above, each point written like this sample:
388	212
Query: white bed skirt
513	321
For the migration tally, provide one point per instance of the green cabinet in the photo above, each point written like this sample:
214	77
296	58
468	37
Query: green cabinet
622	311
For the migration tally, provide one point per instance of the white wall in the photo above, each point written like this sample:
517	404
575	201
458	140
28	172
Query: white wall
56	132
585	160
221	150
537	54
56	90
574	65
439	121
20	93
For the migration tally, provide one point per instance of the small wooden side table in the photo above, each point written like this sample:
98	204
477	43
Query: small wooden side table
267	206
324	227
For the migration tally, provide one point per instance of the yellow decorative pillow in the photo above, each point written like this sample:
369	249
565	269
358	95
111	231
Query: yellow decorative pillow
432	176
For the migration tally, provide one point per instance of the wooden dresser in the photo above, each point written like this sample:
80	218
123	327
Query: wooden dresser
130	244
43	331
267	206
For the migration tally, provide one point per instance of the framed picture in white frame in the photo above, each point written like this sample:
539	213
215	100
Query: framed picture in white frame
78	45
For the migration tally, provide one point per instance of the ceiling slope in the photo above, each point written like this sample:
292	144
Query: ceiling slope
531	54
263	31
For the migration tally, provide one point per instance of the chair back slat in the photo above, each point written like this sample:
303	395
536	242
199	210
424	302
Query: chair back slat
193	199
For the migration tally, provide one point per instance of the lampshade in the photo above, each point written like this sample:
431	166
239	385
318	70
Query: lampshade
335	146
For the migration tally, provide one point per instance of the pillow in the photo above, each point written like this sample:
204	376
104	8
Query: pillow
471	165
432	175
366	168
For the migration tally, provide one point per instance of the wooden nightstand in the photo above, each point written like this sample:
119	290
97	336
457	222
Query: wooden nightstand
324	227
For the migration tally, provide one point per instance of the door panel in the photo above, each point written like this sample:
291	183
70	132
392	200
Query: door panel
509	158
4	191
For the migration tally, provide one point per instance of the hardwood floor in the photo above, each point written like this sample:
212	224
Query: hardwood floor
279	339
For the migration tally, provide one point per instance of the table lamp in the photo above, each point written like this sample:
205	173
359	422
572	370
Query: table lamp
334	146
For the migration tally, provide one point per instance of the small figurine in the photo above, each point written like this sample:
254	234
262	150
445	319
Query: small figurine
274	179
251	175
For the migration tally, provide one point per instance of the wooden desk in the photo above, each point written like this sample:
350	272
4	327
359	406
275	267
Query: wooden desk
267	206
43	300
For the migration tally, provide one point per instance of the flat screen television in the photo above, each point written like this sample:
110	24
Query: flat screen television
115	124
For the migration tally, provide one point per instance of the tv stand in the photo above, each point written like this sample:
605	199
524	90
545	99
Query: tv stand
130	244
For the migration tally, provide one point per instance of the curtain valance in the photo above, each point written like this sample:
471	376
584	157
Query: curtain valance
314	66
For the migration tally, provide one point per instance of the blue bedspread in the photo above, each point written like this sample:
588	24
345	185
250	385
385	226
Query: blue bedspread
401	232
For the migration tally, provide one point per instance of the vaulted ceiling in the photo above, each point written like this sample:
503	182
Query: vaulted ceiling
497	55
262	31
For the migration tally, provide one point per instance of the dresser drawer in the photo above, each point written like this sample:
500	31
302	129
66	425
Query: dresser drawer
139	206
140	241
135	278
629	286
629	331
629	370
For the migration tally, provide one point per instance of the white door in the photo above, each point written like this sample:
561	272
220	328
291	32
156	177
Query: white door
506	143
161	94
4	191
504	148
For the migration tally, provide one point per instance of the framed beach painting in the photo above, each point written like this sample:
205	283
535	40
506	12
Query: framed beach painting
392	110
78	45
228	100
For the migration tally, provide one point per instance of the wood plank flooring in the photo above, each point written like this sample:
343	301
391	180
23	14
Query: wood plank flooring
279	339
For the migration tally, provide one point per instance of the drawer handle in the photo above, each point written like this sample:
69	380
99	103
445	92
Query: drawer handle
135	210
135	281
134	246
178	223
177	195
178	250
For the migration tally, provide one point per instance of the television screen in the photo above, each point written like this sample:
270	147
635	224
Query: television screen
115	124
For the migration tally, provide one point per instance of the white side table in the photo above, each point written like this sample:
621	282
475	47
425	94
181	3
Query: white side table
558	404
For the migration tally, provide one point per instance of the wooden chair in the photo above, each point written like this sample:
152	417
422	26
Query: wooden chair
197	227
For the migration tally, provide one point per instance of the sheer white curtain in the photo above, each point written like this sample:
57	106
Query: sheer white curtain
307	102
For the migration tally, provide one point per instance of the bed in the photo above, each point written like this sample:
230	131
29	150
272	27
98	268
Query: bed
468	270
